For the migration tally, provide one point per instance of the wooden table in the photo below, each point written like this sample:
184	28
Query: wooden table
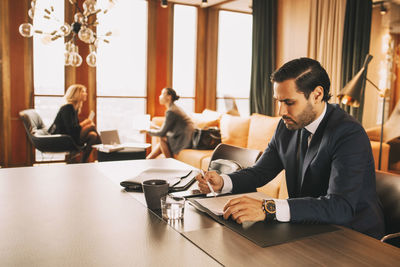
73	215
78	215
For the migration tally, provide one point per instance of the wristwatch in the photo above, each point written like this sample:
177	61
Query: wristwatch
269	209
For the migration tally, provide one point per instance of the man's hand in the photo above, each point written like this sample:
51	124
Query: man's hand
244	209
143	131
215	180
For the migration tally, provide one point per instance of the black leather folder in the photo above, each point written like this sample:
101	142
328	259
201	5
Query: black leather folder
266	234
184	183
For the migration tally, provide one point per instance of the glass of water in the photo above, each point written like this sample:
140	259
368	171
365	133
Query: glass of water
172	207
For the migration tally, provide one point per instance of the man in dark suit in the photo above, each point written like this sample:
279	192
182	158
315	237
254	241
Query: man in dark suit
326	154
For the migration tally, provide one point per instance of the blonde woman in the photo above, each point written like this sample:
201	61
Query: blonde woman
67	122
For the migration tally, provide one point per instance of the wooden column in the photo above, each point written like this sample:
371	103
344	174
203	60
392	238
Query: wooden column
206	58
159	54
5	86
17	83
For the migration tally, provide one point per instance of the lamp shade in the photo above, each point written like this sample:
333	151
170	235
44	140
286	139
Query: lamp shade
352	92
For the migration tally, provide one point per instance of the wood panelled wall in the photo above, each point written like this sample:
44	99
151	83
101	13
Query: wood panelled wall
16	73
17	83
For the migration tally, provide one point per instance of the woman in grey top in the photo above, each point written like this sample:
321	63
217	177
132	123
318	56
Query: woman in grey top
176	132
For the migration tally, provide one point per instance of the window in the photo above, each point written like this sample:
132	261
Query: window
184	55
48	67
234	59
121	68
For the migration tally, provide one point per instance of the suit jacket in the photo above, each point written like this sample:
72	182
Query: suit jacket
67	122
338	174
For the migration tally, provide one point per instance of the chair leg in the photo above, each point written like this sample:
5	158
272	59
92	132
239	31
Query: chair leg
71	157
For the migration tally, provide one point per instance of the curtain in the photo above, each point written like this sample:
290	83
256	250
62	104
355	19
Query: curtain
326	38
263	56
356	38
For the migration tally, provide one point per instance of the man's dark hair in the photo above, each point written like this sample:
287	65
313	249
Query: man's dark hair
307	74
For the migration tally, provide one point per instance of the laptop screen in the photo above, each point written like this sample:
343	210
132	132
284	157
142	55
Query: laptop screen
110	137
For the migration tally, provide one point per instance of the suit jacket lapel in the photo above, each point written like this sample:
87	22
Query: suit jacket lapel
315	142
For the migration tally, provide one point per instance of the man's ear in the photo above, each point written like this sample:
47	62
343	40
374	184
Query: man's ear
317	94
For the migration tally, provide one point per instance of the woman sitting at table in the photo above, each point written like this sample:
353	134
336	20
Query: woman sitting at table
176	132
67	122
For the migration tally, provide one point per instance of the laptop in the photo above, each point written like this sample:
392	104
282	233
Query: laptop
110	137
111	143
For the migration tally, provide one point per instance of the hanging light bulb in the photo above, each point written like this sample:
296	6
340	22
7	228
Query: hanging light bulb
67	58
89	7
86	35
164	3
65	29
91	59
204	3
76	59
26	29
79	17
31	12
383	9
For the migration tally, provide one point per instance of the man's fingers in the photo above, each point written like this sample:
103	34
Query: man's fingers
230	210
199	178
204	188
243	209
233	201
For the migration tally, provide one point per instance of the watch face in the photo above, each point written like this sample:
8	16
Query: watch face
270	206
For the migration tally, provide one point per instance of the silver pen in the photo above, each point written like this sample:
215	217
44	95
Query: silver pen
208	183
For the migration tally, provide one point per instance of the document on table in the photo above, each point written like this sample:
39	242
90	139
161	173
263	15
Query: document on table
216	204
173	176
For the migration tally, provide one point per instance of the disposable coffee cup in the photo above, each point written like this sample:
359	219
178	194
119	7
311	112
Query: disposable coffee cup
153	191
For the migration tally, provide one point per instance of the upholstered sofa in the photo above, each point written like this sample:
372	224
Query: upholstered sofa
252	132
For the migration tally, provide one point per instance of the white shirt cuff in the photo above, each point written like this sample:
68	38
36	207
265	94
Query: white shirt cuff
282	210
227	188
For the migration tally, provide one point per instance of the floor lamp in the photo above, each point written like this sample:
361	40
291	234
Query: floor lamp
351	95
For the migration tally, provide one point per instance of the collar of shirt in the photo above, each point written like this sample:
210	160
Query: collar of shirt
312	127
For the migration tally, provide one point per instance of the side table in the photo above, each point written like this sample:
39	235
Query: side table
124	154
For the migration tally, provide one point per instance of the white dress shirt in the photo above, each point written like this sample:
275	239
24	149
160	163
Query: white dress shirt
282	206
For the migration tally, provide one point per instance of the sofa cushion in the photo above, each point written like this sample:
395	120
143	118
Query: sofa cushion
234	130
206	119
261	130
276	188
193	157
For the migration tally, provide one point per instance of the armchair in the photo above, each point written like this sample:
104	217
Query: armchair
388	189
42	140
245	157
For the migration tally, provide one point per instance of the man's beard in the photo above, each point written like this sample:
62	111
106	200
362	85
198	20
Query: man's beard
305	117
